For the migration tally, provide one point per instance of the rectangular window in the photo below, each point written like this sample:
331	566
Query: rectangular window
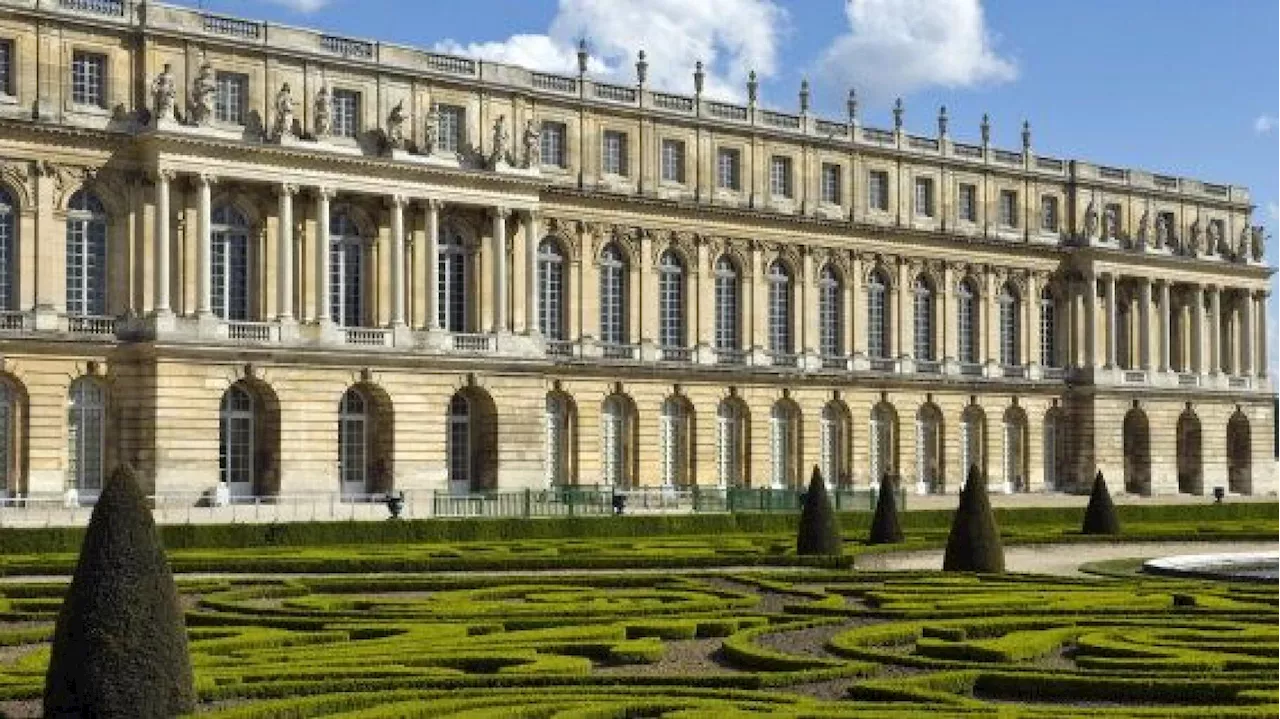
1008	208
88	78
967	203
346	113
6	67
232	96
780	176
878	190
552	142
728	169
451	127
924	197
1049	213
673	161
831	183
613	155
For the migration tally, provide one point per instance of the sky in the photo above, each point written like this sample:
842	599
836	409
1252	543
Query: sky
1179	87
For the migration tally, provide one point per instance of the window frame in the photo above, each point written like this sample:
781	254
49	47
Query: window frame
346	113
878	190
781	178
830	312
81	86
673	160
831	185
967	202
729	169
671	301
451	127
877	315
924	206
8	67
614	268
553	143
613	153
1049	215
551	290
1008	204
224	110
728	303
780	285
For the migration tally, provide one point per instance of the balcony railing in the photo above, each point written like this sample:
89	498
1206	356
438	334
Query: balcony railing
928	367
367	336
882	364
1014	371
473	342
91	325
784	359
731	356
970	369
13	321
1238	382
1188	379
834	362
249	331
559	348
675	354
95	7
1135	376
1054	373
613	351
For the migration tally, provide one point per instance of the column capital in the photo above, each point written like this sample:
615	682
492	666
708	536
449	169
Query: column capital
499	212
433	203
287	189
163	174
397	200
325	193
206	178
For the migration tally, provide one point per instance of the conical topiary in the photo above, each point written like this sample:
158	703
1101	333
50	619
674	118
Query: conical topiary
1100	516
974	543
819	532
120	644
884	525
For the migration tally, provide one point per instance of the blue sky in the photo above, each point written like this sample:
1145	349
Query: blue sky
1185	87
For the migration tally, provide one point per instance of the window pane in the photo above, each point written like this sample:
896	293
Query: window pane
231	97
780	176
726	305
346	113
831	183
552	139
87	77
613	159
550	291
8	243
673	161
452	126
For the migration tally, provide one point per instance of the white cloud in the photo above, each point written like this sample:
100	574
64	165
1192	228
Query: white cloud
894	47
1263	124
1273	211
304	6
731	37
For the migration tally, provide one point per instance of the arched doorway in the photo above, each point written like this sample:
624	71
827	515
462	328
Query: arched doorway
1055	450
1137	453
472	442
973	442
1015	450
930	469
86	437
1239	455
562	440
883	449
249	440
784	445
365	442
834	429
733	436
618	461
1190	460
675	442
13	437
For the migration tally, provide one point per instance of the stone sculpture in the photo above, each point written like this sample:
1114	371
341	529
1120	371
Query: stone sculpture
284	112
204	93
431	133
1144	225
1258	235
395	126
1091	220
501	141
532	143
164	94
324	112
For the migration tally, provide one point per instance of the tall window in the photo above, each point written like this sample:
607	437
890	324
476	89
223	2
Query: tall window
614	428
878	190
924	320
353	441
780	176
86	435
783	444
728	169
929	471
1008	208
613	155
1015	449
779	308
1049	213
967	202
451	127
1055	446
6	67
832	443
231	97
86	255
459	445
1112	212
670	300
673	161
10	422
88	79
831	183
1010	327
452	297
8	250
229	264
558	414
883	441
236	439
877	326
346	113
924	197
1048	329
830	313
551	290
967	307
613	296
731	427
973	440
674	438
727	319
552	144
346	270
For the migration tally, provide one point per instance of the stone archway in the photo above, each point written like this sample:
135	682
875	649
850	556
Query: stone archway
1189	452
1239	454
471	441
1137	453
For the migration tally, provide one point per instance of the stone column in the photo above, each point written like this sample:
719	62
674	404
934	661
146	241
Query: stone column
1215	330
1031	322
1144	323
902	302
1166	312
1112	325
1197	330
161	278
806	310
397	260
944	318
531	241
499	252
1090	321
204	246
857	309
284	250
432	259
1245	366
1260	335
321	254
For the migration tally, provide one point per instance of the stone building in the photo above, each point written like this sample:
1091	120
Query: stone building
292	262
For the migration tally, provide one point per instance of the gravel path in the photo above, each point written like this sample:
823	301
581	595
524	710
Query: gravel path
1064	560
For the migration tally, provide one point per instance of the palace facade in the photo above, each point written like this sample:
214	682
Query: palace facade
282	262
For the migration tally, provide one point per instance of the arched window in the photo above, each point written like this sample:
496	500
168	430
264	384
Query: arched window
779	278
12	437
784	445
930	471
967	331
1055	449
1048	329
1239	454
1010	327
883	440
86	435
830	313
924	320
346	270
675	438
613	296
731	442
230	264
86	255
973	441
616	426
459	441
728	317
560	440
833	443
1015	450
877	320
671	311
1136	450
1190	454
551	292
353	442
8	250
452	298
236	435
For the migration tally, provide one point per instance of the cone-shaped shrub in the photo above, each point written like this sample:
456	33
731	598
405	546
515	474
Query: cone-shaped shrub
819	531
974	543
120	645
884	525
1100	516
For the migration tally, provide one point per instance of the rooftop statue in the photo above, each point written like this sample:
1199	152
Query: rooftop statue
284	112
324	112
395	126
204	93
164	94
